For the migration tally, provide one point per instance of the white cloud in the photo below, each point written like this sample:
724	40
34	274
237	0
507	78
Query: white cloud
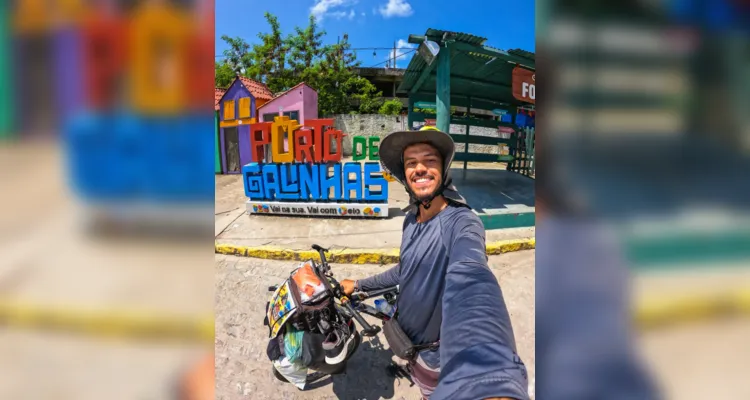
396	8
342	14
402	52
363	13
324	8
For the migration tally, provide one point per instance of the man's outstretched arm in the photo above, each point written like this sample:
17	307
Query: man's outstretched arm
383	280
477	346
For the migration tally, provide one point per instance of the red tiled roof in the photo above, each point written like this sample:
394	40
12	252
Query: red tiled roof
218	94
259	90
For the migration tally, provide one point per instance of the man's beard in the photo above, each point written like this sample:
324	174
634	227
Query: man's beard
425	197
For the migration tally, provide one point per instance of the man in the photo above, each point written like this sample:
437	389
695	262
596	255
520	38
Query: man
448	293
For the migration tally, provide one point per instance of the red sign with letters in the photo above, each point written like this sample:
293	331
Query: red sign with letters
524	85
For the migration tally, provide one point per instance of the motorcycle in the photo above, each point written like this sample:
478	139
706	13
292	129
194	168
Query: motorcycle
312	302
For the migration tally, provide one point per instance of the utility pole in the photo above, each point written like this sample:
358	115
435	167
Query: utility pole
394	54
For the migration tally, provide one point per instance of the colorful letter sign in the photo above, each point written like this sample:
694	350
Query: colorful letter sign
302	173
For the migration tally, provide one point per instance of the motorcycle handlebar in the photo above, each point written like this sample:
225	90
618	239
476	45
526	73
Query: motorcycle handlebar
322	252
376	293
324	267
368	330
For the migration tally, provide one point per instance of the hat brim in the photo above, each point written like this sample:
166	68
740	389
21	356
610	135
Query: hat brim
392	149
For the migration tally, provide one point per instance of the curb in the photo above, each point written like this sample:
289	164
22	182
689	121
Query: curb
653	313
650	314
354	256
507	246
108	323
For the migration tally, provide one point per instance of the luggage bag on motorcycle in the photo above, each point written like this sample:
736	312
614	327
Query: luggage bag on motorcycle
300	299
312	295
311	303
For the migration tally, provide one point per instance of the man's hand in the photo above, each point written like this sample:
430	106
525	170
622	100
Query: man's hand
347	285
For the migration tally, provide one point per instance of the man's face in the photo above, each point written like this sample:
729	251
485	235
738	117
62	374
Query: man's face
423	167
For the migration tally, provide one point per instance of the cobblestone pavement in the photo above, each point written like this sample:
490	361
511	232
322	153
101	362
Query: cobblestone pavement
242	367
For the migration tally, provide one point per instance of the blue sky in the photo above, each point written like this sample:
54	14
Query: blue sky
381	23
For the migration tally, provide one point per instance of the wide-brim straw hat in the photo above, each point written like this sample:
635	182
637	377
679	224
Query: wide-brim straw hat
392	148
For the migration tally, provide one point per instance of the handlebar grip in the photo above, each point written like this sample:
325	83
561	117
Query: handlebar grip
322	252
380	292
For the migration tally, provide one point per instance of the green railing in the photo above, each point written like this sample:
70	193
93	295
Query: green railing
465	139
523	153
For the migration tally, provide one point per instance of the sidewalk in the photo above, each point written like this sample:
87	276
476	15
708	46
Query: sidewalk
235	227
84	303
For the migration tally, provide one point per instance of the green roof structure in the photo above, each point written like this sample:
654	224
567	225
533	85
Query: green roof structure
470	70
458	69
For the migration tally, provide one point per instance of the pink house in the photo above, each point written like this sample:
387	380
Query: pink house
299	103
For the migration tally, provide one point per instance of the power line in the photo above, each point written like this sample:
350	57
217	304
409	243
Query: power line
355	49
389	59
411	50
384	48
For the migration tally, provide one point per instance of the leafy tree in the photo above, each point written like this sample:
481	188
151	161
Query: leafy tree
270	57
224	75
342	89
282	63
306	47
365	94
238	55
391	107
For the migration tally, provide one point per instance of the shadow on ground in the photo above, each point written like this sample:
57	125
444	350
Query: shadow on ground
494	189
146	231
370	374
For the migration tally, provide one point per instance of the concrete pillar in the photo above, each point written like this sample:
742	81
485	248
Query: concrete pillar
443	89
466	145
410	114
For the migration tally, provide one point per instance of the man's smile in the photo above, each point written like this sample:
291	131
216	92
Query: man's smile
422	182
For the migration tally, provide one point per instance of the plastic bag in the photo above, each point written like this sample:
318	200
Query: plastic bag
293	344
295	373
309	285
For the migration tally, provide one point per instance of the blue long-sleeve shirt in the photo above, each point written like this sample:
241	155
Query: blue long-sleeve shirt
584	334
448	293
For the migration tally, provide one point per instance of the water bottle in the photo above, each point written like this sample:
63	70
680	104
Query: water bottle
382	306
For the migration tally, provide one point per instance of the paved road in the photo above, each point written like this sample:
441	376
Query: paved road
48	261
45	365
701	361
243	369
